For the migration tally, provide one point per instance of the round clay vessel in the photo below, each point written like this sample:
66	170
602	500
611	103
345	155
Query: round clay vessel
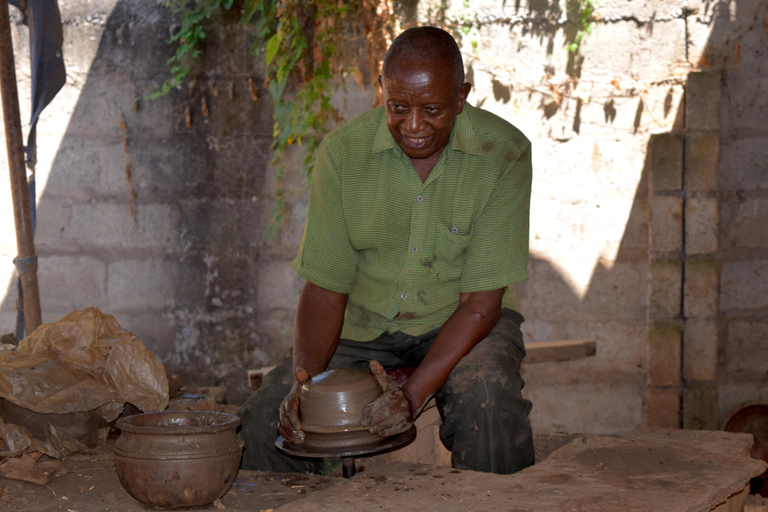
331	408
178	458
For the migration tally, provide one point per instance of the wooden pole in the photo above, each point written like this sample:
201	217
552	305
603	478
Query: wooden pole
26	260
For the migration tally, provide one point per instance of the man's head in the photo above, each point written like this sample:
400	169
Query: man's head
423	86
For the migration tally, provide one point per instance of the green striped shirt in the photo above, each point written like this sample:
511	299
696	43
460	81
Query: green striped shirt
403	250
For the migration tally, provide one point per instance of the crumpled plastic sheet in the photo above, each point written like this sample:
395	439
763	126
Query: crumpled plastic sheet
83	362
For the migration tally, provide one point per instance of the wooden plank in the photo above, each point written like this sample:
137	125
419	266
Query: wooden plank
562	350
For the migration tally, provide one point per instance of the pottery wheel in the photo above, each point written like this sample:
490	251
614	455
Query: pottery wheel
346	449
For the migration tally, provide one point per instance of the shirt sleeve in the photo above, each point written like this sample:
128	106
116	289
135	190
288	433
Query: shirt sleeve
326	257
498	252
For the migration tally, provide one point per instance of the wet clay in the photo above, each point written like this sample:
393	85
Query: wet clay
331	409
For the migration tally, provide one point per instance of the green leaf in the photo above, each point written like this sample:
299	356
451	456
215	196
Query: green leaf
273	45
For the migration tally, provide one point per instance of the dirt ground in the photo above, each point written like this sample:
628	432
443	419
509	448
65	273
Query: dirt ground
659	471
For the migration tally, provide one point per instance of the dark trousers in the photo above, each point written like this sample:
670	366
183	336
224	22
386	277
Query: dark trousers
485	417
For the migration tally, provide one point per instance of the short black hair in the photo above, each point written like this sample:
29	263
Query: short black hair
427	43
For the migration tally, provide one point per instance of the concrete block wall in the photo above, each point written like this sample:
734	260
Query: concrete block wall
161	224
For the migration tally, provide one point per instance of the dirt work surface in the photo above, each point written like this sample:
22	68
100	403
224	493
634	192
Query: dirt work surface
658	471
91	485
654	470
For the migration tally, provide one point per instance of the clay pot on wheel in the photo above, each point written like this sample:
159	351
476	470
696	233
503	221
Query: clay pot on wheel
178	458
331	409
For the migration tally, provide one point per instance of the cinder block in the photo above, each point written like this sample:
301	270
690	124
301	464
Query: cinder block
665	288
279	286
751	222
700	347
155	329
111	224
700	406
742	164
664	352
700	291
70	283
666	230
665	155
702	159
745	349
743	285
53	216
702	101
141	284
702	220
661	408
76	165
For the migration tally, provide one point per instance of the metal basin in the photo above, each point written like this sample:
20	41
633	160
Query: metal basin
178	458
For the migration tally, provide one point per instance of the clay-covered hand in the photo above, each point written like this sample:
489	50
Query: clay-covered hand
391	413
290	425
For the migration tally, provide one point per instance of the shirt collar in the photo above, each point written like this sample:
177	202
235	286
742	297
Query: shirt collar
463	137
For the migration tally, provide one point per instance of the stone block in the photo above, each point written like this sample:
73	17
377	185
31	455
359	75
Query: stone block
700	406
742	164
700	348
154	284
702	159
665	162
53	217
745	348
665	288
745	88
661	408
279	286
139	284
702	101
76	166
664	353
702	220
155	329
743	285
112	225
67	283
750	223
700	292
666	229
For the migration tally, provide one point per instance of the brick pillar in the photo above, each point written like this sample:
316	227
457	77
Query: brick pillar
701	266
683	267
661	403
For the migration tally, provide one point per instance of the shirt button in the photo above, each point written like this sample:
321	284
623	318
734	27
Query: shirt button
404	296
414	249
455	230
420	199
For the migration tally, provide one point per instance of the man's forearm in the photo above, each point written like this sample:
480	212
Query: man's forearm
319	318
476	315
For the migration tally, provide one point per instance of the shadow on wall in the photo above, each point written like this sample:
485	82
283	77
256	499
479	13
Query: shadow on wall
154	210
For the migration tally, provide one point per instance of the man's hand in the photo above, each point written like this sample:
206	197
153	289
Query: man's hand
290	425
392	412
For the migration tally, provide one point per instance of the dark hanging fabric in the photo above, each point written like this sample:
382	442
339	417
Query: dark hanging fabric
48	76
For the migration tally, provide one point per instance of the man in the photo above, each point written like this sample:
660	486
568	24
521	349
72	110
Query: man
417	224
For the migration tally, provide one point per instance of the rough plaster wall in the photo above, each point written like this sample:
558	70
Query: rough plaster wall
192	275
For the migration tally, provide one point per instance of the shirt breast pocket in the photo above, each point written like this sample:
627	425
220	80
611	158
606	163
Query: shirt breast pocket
450	253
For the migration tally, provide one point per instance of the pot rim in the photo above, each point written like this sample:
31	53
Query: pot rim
224	421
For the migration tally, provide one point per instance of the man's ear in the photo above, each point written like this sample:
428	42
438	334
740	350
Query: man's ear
381	84
463	93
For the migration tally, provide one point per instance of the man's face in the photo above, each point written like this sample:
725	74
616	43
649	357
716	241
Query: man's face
421	102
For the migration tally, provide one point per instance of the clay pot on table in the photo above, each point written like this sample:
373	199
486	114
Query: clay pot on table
331	410
178	458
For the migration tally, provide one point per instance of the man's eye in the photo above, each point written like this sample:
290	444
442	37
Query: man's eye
398	109
432	111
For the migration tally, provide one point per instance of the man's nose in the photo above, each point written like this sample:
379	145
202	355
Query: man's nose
414	120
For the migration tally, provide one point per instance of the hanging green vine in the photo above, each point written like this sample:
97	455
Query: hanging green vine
586	11
309	47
